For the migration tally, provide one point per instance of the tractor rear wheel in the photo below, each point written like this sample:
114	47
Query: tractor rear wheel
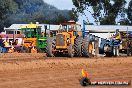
85	47
51	44
78	46
70	51
108	54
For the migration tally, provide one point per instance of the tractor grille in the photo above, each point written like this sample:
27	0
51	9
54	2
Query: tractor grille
60	40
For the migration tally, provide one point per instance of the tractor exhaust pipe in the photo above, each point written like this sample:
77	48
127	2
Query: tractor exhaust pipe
45	30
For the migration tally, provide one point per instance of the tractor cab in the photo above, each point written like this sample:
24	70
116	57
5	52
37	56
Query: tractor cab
70	26
69	30
31	30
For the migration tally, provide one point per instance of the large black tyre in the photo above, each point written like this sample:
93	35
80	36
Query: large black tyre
108	51
85	48
78	46
108	54
71	51
85	81
51	44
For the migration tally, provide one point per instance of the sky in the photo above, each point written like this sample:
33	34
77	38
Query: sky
61	4
64	4
67	4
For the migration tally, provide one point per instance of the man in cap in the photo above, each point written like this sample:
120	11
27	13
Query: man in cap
117	35
6	44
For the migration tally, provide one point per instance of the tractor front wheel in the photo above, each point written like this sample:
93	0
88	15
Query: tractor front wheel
50	46
85	48
70	51
78	46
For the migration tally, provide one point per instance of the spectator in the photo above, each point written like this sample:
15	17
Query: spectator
17	47
16	42
6	45
6	42
42	34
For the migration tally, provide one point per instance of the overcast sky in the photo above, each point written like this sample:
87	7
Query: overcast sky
61	4
67	4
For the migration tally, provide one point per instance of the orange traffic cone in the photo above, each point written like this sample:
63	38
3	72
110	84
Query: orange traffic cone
84	73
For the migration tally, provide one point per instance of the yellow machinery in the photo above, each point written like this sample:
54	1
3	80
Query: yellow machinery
68	40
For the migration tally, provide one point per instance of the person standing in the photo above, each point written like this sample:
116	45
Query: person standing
116	39
6	45
117	36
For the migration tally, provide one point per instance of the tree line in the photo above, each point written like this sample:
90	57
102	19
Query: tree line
107	12
25	11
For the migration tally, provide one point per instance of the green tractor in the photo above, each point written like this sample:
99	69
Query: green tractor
34	40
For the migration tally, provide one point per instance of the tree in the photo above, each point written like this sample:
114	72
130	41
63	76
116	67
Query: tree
38	10
6	7
129	12
125	22
26	11
104	11
73	15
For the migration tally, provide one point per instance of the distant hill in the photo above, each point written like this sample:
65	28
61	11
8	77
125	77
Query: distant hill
25	11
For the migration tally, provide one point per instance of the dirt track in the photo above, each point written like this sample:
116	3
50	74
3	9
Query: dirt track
38	71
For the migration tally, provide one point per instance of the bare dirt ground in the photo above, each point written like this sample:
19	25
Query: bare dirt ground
38	71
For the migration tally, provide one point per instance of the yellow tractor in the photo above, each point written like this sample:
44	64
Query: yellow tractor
68	40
